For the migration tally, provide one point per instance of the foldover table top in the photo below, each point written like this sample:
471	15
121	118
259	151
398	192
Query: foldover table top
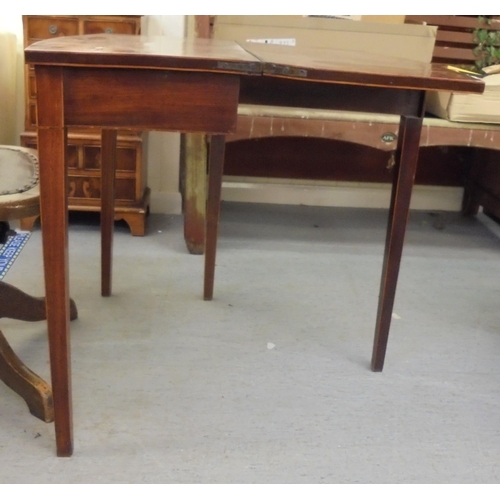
221	56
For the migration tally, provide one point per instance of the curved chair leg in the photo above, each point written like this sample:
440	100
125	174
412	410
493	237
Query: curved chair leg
34	390
16	304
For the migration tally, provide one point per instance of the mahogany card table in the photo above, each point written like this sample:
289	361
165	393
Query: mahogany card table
157	83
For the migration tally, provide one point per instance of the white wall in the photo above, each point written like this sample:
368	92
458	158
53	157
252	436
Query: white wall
11	78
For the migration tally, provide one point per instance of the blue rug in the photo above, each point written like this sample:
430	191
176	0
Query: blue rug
11	249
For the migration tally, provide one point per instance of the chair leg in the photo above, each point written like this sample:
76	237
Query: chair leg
27	223
16	304
4	229
35	391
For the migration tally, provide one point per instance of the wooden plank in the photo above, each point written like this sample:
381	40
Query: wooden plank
456	37
453	53
464	22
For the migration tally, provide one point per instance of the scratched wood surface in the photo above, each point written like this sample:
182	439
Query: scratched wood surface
366	129
142	51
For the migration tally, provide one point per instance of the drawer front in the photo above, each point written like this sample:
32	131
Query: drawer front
90	188
126	158
88	158
71	151
72	157
40	27
110	27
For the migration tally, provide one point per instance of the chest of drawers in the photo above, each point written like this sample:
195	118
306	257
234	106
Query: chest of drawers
84	153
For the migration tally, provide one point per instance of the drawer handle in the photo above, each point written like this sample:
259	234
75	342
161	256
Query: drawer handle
52	29
109	31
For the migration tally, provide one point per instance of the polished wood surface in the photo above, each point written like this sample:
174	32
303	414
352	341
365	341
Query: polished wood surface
37	28
350	67
52	135
144	52
118	81
305	63
183	107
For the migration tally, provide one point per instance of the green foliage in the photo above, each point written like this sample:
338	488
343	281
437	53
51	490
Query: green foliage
487	50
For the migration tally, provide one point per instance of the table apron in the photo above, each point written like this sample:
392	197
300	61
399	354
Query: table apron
277	91
182	101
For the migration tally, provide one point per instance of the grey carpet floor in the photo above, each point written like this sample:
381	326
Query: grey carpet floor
270	382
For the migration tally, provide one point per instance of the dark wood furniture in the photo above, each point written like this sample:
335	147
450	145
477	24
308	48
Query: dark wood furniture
20	197
453	152
116	81
84	145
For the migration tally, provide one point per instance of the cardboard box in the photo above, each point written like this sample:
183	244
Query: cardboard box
482	108
374	18
409	41
384	19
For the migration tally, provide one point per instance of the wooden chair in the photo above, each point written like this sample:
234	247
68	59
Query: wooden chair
19	198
